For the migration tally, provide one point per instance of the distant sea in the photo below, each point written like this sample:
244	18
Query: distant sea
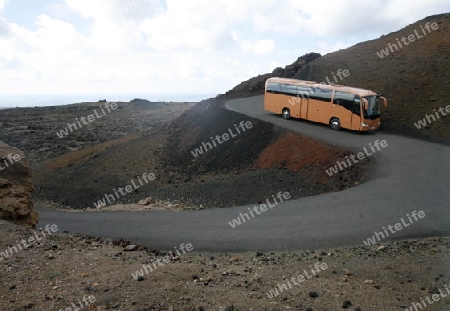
11	101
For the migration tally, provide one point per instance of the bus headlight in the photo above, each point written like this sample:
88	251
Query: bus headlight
364	124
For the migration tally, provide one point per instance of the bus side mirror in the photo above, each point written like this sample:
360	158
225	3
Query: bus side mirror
366	104
385	102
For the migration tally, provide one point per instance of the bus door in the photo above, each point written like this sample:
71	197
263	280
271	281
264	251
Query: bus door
356	114
295	106
304	108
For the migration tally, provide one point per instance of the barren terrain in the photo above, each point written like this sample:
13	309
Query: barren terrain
65	268
145	137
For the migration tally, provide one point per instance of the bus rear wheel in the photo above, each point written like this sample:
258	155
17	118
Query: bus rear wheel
286	114
335	124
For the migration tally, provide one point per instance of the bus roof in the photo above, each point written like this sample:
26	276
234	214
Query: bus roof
313	84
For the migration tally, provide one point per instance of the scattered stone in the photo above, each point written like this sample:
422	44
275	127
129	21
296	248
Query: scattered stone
313	294
130	248
368	281
235	259
347	304
434	291
147	201
140	279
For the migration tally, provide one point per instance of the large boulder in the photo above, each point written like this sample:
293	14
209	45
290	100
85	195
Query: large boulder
15	187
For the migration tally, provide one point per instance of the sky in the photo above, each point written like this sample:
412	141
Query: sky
178	46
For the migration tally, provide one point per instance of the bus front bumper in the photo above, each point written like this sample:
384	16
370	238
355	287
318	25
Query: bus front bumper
370	125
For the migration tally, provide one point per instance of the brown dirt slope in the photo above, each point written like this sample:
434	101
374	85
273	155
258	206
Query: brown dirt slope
414	78
16	185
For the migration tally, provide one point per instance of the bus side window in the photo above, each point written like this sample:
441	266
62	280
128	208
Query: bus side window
289	89
322	94
344	99
273	88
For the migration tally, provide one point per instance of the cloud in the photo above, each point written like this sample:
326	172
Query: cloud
259	47
195	46
342	17
2	4
324	47
4	28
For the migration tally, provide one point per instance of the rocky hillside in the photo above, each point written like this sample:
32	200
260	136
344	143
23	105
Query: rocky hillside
15	187
413	76
235	172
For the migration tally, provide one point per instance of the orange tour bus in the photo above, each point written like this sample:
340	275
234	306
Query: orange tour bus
337	105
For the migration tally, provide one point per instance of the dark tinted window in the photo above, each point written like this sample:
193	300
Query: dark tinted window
357	106
273	87
289	89
304	91
344	99
322	94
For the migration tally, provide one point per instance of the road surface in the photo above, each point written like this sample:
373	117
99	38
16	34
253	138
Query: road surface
413	175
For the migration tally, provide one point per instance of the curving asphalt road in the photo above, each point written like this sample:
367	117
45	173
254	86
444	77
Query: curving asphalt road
413	175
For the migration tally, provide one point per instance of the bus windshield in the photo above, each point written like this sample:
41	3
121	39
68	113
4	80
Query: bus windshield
373	112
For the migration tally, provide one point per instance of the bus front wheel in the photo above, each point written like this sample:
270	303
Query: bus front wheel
335	124
286	113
